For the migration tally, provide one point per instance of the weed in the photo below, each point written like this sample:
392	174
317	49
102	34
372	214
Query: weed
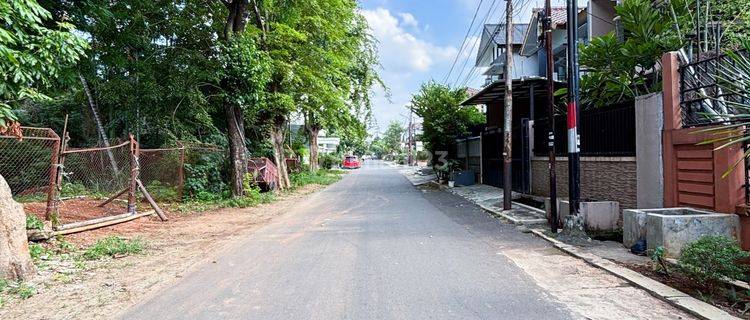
62	278
3	284
34	223
113	245
657	258
22	289
38	252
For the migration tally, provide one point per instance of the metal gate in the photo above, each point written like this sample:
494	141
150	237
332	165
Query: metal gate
492	149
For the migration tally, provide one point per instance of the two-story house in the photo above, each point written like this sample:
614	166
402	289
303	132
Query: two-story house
491	54
594	20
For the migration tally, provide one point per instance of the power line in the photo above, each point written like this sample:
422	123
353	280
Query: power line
499	27
481	27
461	48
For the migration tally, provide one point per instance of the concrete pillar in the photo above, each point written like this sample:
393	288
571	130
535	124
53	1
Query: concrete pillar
672	121
649	123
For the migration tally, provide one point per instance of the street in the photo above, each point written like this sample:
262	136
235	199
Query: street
375	247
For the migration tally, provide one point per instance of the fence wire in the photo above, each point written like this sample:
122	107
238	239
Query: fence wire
27	164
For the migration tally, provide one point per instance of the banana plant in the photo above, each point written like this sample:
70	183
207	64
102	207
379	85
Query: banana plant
732	80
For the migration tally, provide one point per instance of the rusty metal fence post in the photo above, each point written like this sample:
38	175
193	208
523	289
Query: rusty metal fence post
181	174
132	187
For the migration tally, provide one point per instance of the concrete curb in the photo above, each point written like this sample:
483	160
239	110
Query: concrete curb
502	214
657	289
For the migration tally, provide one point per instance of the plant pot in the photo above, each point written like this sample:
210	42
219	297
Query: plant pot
451	184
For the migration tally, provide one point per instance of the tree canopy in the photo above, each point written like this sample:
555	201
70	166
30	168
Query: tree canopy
443	117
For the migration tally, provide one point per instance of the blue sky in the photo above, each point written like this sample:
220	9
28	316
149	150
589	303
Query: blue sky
418	41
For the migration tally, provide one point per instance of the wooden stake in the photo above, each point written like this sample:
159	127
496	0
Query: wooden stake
151	201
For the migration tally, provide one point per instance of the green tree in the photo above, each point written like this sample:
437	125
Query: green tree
442	115
34	52
392	138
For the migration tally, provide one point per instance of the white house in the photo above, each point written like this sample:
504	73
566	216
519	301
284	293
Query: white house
327	144
491	54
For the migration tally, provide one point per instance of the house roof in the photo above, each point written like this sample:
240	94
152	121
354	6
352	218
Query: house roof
496	90
494	34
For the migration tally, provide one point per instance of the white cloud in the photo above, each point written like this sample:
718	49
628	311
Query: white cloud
399	49
407	59
408	20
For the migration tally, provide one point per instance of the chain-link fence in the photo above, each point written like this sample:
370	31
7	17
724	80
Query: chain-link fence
28	164
172	172
69	185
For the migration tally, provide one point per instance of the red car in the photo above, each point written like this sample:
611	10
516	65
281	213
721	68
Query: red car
351	162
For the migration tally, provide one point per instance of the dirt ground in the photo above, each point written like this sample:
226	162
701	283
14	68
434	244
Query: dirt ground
103	289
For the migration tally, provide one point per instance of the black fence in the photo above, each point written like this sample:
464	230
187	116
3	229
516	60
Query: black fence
712	89
604	132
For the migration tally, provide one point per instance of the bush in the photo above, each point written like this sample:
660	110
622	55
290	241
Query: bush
423	155
328	161
162	193
111	246
34	223
711	259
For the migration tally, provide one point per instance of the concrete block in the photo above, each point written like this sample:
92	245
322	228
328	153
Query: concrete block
673	228
597	215
633	226
601	215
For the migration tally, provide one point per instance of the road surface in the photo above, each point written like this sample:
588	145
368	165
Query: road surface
375	247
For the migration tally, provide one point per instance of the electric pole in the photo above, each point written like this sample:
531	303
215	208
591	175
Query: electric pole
574	165
411	137
508	114
547	34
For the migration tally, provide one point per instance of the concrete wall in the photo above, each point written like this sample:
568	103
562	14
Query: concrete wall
600	20
649	123
602	179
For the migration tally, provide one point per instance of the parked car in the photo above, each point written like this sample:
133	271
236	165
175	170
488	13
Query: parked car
351	162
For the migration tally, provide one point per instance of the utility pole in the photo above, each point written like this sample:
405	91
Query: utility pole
547	34
574	158
411	136
508	114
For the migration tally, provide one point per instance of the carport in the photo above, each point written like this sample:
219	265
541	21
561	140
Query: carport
529	106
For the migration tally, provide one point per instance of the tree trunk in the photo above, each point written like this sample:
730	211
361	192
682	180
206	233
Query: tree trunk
277	139
15	261
98	121
237	149
235	24
313	132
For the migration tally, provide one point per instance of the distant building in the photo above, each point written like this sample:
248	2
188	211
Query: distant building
327	145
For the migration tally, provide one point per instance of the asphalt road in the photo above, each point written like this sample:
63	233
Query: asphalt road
369	247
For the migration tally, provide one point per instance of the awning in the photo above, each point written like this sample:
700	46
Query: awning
521	89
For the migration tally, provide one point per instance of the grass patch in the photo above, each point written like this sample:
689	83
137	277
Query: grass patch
21	289
321	177
112	246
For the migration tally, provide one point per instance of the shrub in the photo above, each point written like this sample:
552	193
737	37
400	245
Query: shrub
111	246
328	161
161	192
711	259
34	223
423	155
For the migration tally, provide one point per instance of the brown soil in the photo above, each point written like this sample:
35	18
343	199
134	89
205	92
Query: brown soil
681	282
104	288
